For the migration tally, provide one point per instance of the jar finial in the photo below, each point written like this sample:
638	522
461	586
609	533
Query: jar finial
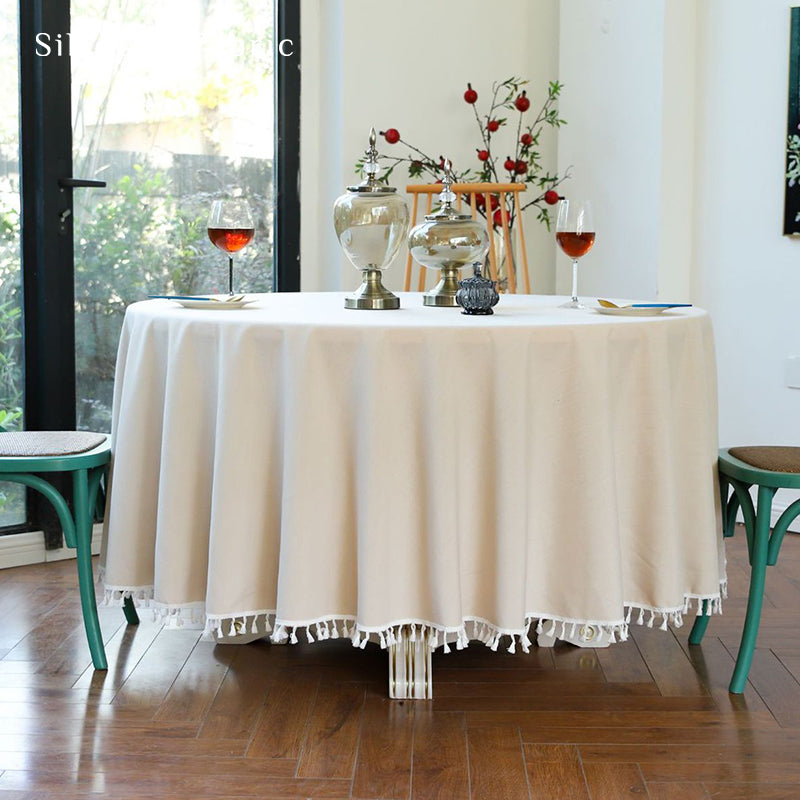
371	165
447	196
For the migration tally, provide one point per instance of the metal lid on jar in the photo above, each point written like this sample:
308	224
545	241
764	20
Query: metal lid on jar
447	197
371	184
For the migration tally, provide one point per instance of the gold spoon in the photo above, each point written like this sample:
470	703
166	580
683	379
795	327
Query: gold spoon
609	304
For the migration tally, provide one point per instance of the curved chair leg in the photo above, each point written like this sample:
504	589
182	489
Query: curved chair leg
741	491
730	515
755	599
728	512
700	624
83	535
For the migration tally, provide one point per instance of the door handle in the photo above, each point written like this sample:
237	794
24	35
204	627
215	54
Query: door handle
71	183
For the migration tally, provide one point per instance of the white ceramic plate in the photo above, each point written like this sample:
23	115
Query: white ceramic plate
211	304
632	312
215	304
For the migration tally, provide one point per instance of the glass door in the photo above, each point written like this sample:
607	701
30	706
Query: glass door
169	106
172	107
12	496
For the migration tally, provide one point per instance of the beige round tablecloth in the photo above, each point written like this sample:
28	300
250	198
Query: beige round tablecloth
297	468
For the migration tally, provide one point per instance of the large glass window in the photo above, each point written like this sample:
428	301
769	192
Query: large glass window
172	108
12	496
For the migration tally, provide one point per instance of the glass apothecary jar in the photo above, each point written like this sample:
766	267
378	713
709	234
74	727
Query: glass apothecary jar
371	222
447	240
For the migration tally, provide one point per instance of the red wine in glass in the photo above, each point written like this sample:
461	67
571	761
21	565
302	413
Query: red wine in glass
575	245
231	240
230	228
575	235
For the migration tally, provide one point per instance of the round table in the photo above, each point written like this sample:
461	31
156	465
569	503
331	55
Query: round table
416	477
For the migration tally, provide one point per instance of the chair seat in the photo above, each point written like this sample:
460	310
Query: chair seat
772	459
32	444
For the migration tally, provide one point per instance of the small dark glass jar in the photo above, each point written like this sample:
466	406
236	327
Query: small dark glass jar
477	295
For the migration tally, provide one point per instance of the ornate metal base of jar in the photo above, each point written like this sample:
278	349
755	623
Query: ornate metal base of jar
372	294
443	295
478	313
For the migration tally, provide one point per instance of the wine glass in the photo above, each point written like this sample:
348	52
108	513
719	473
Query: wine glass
230	228
575	236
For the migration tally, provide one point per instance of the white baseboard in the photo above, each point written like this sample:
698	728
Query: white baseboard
777	510
21	549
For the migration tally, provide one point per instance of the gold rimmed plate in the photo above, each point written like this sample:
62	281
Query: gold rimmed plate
631	311
636	309
210	301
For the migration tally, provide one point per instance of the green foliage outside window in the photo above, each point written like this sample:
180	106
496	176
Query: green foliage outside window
137	239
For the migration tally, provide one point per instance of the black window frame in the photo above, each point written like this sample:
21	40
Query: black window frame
47	251
287	148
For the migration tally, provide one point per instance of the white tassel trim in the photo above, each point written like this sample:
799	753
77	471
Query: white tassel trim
280	634
229	627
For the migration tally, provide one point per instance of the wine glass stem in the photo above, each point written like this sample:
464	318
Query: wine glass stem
230	275
574	280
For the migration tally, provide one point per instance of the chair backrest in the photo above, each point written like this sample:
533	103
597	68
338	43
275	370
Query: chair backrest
475	195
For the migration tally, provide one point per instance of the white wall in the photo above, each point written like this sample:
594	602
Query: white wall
746	273
678	167
630	72
612	65
406	65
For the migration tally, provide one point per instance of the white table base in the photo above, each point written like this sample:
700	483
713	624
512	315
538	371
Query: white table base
410	669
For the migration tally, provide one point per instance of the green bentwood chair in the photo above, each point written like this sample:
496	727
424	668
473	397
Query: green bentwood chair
24	457
770	469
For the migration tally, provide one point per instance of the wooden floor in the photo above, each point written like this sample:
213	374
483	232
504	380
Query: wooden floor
178	718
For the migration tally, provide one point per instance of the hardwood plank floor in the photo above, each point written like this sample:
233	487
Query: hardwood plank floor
555	770
383	768
496	763
178	718
440	765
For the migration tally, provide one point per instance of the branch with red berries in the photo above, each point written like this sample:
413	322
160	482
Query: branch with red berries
525	165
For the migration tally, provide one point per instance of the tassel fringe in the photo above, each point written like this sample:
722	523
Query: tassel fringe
229	627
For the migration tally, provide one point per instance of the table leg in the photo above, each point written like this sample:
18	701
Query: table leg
410	670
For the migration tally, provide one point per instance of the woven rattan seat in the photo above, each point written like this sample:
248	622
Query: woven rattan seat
48	443
772	459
